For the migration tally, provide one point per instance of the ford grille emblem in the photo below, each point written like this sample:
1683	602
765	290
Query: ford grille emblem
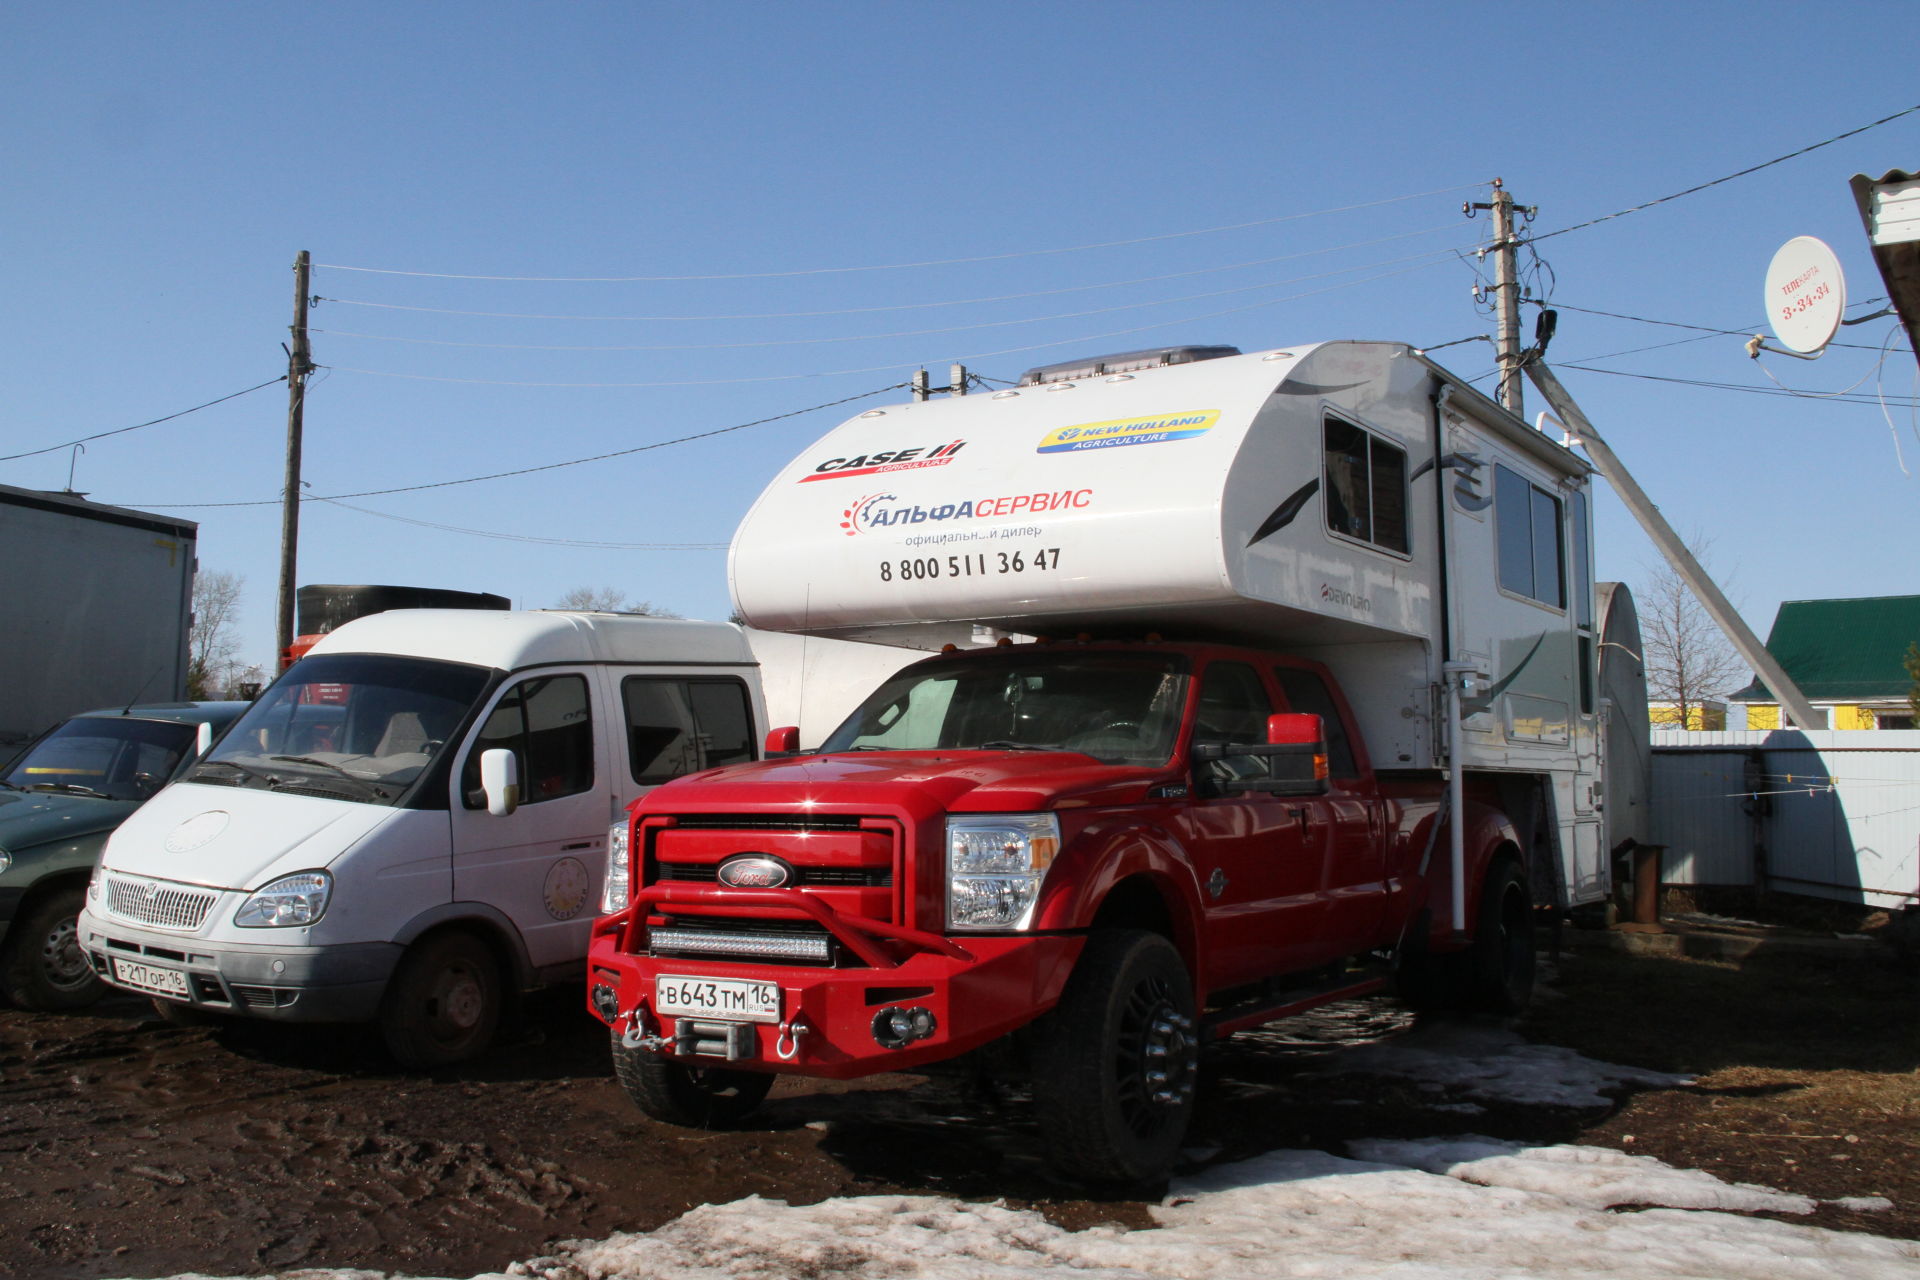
754	871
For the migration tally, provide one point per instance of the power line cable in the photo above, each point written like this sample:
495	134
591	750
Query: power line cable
1592	222
522	537
894	364
120	431
904	306
879	337
1733	386
1709	329
901	266
550	466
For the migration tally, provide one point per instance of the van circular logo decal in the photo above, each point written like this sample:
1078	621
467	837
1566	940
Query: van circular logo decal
565	892
754	871
197	831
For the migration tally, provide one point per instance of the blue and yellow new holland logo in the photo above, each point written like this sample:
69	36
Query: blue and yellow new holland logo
1122	431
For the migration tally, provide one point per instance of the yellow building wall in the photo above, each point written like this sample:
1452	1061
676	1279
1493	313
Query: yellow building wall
1763	715
1698	718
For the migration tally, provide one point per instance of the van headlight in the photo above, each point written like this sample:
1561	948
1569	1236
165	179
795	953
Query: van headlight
289	902
996	864
614	890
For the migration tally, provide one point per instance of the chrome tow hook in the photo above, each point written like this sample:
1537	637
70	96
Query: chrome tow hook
787	1044
633	1032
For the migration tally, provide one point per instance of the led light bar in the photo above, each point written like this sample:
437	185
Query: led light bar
775	946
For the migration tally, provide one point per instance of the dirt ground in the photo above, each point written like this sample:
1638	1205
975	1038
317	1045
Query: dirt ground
129	1147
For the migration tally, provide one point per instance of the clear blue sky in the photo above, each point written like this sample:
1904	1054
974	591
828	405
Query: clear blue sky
165	163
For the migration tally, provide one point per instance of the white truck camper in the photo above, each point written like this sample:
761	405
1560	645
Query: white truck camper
410	824
1348	502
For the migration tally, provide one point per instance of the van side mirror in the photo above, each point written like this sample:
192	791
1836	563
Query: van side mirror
202	739
784	741
500	780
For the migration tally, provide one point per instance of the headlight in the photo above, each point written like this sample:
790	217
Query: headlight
614	891
288	902
6	861
995	866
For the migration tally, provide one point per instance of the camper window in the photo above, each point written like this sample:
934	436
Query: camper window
1528	521
1366	487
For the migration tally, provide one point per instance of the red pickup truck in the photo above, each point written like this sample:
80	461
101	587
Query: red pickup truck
1098	854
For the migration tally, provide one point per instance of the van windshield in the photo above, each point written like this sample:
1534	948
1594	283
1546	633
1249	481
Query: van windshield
1119	708
357	727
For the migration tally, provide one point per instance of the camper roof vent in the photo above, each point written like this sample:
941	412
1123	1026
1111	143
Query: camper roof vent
1124	362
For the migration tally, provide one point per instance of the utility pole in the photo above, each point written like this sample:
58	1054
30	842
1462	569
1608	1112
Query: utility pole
298	367
1506	293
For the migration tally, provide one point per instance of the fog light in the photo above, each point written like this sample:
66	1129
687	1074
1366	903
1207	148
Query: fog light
895	1028
606	1002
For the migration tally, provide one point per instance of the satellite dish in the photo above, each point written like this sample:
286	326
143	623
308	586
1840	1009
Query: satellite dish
1806	294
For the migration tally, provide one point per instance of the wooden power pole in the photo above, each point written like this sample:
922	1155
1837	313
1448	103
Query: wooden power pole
1506	294
299	365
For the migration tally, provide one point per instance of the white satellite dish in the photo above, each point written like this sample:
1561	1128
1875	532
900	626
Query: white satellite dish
1806	294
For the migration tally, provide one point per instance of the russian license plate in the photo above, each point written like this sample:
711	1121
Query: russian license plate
145	977
734	1001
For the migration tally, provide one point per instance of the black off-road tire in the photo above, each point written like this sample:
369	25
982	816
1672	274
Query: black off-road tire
1116	1060
673	1092
443	1003
1499	966
44	968
1494	974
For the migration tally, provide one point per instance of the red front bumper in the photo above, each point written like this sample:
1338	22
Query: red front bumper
977	988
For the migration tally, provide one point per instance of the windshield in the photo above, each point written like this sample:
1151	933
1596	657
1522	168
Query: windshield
1120	708
346	726
117	757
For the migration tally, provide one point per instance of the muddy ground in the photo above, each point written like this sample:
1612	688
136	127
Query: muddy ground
129	1147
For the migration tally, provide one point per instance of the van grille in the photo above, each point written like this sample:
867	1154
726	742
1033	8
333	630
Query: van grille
162	906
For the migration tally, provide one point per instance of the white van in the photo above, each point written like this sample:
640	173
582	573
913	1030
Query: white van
411	823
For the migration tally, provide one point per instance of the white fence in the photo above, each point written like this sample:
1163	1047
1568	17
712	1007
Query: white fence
1827	813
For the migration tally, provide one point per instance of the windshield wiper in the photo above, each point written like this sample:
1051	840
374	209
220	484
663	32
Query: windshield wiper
328	764
248	770
1020	746
68	788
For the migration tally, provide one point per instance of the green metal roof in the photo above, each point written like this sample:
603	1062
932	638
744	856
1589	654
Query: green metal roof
1842	650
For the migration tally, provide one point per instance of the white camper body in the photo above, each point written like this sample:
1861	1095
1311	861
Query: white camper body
1349	502
344	824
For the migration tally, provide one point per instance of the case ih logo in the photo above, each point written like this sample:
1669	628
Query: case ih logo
873	464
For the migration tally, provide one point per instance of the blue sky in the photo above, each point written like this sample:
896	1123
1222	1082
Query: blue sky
788	165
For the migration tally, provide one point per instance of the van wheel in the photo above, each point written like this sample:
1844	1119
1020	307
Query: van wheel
443	1003
1115	1061
44	968
691	1097
1500	964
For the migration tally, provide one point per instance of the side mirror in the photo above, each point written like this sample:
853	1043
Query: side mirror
784	741
1293	758
500	780
202	739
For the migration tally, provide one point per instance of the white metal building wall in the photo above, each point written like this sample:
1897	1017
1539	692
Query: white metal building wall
1828	813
